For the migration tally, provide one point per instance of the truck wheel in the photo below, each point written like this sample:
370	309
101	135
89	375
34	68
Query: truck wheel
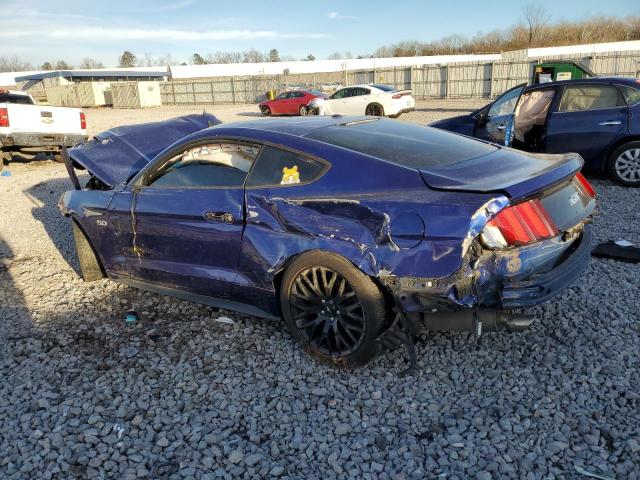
624	165
332	309
89	263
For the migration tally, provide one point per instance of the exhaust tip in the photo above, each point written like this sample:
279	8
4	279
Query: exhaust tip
516	323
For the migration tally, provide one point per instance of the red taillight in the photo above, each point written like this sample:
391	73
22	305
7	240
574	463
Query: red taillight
83	121
4	117
518	225
586	186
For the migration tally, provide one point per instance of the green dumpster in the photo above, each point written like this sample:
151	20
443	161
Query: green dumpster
552	71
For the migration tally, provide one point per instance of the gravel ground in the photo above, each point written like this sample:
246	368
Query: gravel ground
185	394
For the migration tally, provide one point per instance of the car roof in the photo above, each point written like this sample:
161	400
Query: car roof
632	82
364	85
296	126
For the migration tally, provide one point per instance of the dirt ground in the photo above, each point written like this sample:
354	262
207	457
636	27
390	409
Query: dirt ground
100	119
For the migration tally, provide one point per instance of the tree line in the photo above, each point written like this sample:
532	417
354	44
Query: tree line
534	30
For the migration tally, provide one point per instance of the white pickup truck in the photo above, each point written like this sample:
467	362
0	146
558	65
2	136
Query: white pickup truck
27	127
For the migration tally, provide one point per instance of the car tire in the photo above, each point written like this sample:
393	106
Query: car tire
374	109
313	290
57	157
303	110
624	164
4	157
89	264
266	111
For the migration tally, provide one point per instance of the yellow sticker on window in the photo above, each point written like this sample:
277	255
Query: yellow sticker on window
290	175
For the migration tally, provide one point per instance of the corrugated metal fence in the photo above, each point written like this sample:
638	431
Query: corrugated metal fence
454	80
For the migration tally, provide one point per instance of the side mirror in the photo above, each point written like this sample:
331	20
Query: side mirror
481	118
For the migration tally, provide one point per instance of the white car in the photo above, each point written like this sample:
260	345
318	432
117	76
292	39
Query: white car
27	127
374	99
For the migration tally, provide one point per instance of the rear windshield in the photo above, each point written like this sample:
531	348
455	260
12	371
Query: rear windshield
405	144
12	98
385	88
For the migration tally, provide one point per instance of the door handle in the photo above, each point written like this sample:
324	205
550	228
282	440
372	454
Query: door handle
611	122
501	127
218	217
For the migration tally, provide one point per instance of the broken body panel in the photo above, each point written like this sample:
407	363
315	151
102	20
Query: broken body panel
414	231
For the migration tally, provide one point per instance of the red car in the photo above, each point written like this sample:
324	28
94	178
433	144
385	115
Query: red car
293	102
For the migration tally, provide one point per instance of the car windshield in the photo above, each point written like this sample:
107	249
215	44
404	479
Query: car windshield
405	144
384	88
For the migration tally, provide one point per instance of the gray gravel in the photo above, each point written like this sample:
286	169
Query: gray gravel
181	395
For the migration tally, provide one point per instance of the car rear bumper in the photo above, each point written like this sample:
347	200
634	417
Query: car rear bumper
515	278
539	287
20	140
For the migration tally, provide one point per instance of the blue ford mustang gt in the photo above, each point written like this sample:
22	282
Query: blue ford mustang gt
351	229
599	118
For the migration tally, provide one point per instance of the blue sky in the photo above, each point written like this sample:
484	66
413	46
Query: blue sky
40	30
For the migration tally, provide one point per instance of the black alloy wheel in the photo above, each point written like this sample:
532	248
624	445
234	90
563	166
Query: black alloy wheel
327	311
332	309
374	109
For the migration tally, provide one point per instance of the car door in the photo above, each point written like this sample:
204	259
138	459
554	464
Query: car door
281	103
590	118
359	101
336	102
188	218
273	188
496	125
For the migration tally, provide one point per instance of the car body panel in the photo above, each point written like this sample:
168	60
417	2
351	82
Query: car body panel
593	133
290	105
353	100
378	214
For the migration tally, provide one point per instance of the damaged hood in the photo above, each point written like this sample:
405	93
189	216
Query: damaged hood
117	154
518	174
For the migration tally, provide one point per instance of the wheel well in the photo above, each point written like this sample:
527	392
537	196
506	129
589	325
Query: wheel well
615	146
374	103
88	240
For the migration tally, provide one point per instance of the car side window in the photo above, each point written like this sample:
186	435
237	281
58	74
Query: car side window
576	98
275	167
297	95
207	166
339	94
506	104
282	96
360	91
631	95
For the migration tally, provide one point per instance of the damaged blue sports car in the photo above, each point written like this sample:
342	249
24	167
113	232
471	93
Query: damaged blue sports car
354	230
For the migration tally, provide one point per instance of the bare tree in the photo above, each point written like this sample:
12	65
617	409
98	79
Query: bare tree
14	64
536	18
253	56
224	57
166	60
334	56
146	61
91	63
